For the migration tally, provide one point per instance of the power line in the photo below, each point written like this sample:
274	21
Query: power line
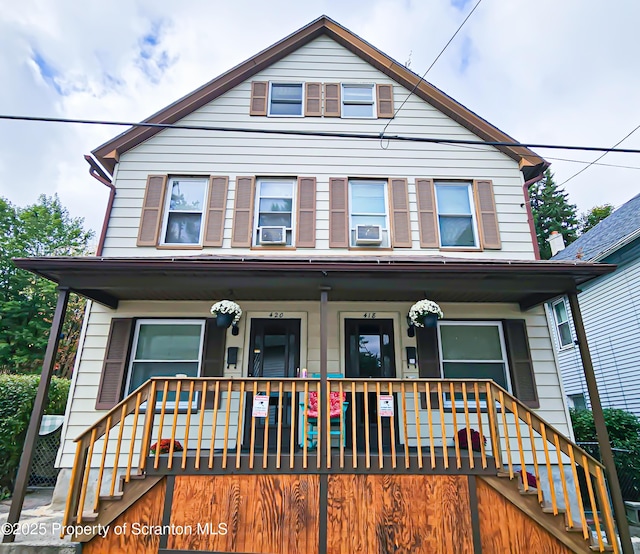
599	157
429	68
321	134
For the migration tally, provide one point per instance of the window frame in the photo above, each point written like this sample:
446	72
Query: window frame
166	211
385	231
134	347
558	323
472	209
270	98
256	212
503	348
343	102
572	399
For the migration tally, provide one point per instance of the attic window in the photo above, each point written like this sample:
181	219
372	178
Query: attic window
357	101
285	99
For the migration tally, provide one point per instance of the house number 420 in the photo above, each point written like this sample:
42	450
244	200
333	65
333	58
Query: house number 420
277	315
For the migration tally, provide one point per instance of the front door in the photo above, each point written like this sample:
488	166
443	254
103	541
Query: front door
370	354
274	352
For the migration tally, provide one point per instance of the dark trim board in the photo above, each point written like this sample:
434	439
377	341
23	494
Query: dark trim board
475	515
166	514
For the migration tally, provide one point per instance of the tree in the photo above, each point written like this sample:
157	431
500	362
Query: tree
594	216
27	302
552	212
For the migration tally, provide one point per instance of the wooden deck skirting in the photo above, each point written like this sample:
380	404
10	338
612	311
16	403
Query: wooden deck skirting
431	430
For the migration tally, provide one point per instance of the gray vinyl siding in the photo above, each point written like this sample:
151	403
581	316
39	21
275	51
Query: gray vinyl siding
611	312
187	152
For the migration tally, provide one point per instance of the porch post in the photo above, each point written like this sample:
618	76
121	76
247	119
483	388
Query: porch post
601	429
26	459
324	431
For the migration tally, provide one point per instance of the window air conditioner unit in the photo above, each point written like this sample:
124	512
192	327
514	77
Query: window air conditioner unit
273	235
368	234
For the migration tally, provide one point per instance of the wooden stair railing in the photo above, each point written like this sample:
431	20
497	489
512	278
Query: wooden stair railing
439	426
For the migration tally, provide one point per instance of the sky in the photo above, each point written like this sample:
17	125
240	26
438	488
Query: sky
543	71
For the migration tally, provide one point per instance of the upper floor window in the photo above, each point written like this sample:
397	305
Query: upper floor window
285	99
578	401
184	210
456	216
165	348
274	212
368	213
561	317
358	100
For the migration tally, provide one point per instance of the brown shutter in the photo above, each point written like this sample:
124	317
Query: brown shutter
213	354
151	217
306	219
243	211
384	100
400	223
338	214
520	364
428	360
259	93
216	208
427	217
487	216
114	368
313	99
332	99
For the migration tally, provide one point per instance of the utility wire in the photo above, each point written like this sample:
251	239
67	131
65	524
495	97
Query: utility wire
600	157
429	68
321	134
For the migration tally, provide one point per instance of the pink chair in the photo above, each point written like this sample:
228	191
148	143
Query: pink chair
337	405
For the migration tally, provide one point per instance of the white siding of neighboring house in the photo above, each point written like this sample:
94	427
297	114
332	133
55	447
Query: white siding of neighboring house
611	312
81	411
186	152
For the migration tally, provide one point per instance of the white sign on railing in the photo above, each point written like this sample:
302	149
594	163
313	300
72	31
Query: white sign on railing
385	407
260	405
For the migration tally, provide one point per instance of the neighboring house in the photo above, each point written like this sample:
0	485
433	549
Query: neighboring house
325	241
610	307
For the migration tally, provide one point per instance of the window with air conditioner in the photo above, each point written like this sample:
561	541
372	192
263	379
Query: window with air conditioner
368	213
274	215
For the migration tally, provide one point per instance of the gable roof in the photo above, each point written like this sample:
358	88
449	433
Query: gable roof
612	233
108	154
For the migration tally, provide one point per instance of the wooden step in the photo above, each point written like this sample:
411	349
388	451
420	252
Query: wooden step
108	497
607	548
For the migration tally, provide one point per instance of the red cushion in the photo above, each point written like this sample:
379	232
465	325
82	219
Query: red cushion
335	404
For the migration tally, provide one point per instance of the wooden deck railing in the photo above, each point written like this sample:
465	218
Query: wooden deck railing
214	425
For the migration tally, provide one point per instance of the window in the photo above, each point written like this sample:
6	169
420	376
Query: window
368	221
473	350
285	99
183	210
456	217
165	348
562	323
578	401
358	101
274	212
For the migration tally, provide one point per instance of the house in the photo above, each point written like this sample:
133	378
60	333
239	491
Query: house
610	307
323	420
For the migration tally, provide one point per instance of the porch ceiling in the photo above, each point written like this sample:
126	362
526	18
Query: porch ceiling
110	280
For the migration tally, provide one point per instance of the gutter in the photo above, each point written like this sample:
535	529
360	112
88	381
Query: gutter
617	246
97	173
527	202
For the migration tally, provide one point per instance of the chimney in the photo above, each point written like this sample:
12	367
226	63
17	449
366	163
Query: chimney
556	242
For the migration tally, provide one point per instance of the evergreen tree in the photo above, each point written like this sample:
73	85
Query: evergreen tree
552	212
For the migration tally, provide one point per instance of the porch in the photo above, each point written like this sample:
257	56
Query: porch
460	429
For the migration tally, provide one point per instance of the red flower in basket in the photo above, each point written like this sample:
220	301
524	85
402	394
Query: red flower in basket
476	437
165	446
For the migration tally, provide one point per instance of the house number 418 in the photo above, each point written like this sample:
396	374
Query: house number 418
370	315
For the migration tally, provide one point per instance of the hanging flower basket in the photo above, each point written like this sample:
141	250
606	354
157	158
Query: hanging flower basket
226	313
425	313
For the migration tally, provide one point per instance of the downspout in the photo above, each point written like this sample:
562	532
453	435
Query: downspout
97	173
527	203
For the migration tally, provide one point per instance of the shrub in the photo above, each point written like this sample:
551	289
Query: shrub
17	395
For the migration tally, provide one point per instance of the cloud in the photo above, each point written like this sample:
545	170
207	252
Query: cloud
550	72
